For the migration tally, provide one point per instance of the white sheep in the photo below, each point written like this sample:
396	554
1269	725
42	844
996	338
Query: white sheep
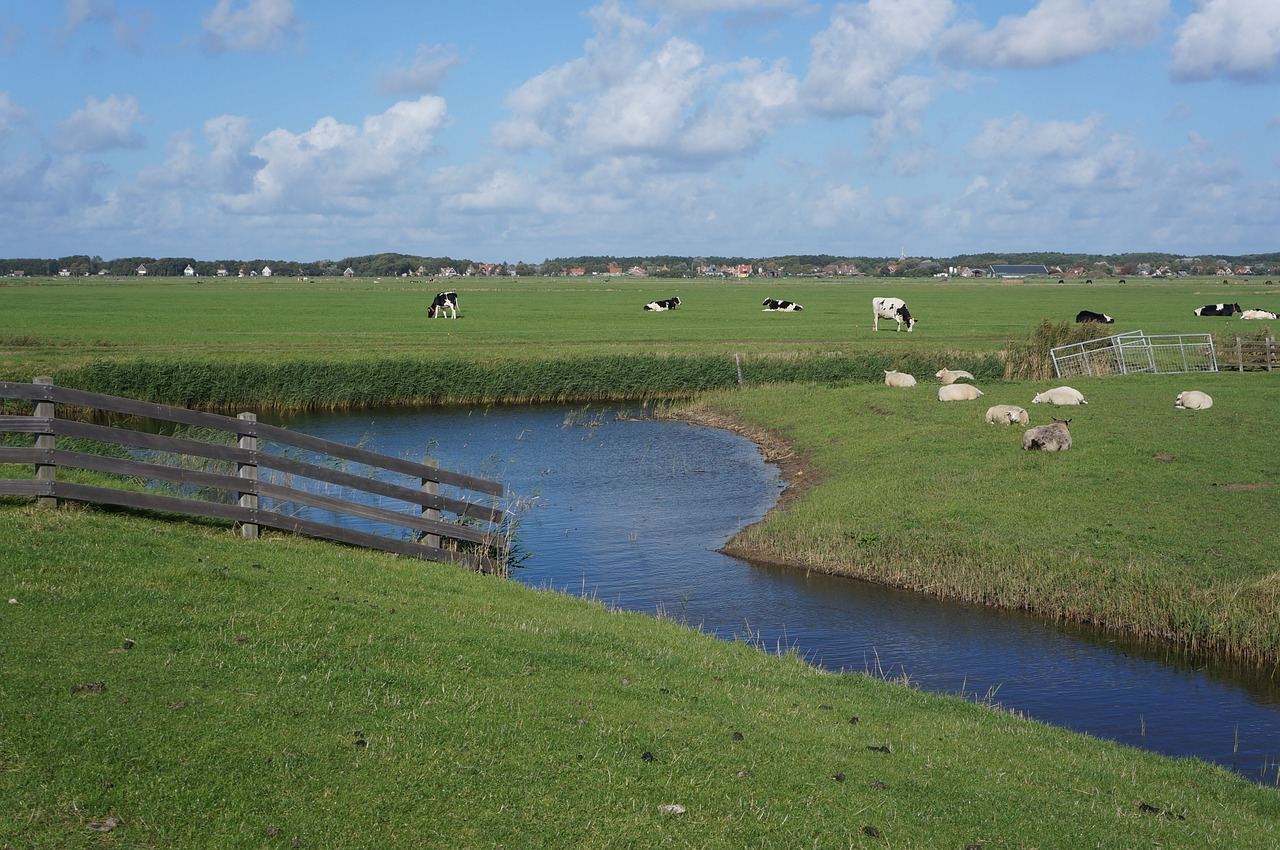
1053	437
1007	414
950	376
1193	400
959	392
1258	314
1060	396
898	379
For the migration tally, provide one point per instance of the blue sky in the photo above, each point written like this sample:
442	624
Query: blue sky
304	129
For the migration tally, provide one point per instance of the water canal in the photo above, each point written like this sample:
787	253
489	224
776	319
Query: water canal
631	511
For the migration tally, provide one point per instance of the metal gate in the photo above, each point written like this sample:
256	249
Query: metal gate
1134	352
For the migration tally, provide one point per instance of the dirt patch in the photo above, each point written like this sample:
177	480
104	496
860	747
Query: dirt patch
1165	457
1246	488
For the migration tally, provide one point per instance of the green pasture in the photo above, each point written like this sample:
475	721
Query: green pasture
1158	523
51	324
185	688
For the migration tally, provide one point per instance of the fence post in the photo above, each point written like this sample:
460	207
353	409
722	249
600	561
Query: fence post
432	488
737	361
1271	350
248	471
46	471
1239	356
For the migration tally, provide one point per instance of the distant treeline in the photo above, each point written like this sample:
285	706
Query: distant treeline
391	265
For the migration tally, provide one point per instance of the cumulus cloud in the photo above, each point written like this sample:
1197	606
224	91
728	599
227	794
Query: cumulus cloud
1232	38
695	7
257	25
333	166
10	113
423	76
1044	155
867	47
102	125
1054	31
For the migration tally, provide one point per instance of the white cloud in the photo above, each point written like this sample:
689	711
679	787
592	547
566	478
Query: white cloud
1054	31
430	64
102	125
332	166
1233	38
10	113
128	26
257	25
867	47
696	7
1061	155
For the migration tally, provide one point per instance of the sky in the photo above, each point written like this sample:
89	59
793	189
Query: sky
508	131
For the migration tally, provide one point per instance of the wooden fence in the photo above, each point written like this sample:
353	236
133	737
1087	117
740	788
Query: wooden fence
474	539
1252	355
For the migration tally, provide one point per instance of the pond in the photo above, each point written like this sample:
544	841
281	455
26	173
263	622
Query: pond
631	511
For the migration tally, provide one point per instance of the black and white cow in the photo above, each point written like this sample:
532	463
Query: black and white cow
773	305
443	301
665	304
1218	310
894	309
1086	316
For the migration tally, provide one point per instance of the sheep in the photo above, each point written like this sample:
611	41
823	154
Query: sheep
898	379
950	376
1258	313
1006	414
1059	395
1053	437
1193	400
959	392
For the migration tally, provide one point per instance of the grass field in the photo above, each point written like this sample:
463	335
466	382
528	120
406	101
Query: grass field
290	693
1158	523
55	324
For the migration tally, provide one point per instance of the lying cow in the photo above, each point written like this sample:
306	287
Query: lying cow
1258	313
773	305
1218	310
1087	316
894	309
665	304
442	302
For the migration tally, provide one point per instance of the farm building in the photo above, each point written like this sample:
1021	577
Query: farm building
349	272
266	271
142	271
222	271
188	271
1015	270
64	272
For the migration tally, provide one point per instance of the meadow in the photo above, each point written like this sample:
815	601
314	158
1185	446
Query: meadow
185	688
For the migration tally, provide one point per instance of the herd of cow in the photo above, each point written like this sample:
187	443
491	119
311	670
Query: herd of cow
889	309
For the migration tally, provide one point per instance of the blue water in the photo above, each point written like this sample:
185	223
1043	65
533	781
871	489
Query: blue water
631	511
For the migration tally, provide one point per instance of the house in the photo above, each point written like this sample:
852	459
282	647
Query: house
421	272
266	271
142	271
349	272
101	272
17	273
636	271
576	271
1244	270
1018	270
613	268
253	272
221	272
64	272
188	271
448	271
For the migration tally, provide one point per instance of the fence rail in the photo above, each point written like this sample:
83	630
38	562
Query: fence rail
474	539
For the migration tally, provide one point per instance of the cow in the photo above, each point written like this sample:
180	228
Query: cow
442	302
773	305
1218	310
1087	316
665	304
891	308
1258	313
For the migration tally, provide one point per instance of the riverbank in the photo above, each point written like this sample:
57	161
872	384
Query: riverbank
154	669
1147	527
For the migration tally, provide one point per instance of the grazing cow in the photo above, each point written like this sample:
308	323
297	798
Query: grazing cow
1086	316
1193	400
898	379
1218	310
959	392
1258	313
442	302
891	308
773	305
663	305
950	376
1089	281
1007	414
1060	396
1053	437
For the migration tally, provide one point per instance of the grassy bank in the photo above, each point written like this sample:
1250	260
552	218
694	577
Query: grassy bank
212	692
1156	524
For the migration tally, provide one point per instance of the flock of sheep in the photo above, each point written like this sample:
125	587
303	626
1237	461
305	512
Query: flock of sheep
1054	437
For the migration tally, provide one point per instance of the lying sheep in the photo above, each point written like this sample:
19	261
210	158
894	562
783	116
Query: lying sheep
1006	414
959	392
1053	437
1193	400
1258	313
950	376
1059	395
898	379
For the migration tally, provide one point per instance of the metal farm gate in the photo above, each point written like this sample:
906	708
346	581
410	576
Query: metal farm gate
1134	352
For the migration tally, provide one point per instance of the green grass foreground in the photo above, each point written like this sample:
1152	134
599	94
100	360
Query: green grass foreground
290	693
1158	523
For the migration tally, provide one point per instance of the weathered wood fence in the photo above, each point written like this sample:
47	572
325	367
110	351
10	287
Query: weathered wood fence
1253	355
474	539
